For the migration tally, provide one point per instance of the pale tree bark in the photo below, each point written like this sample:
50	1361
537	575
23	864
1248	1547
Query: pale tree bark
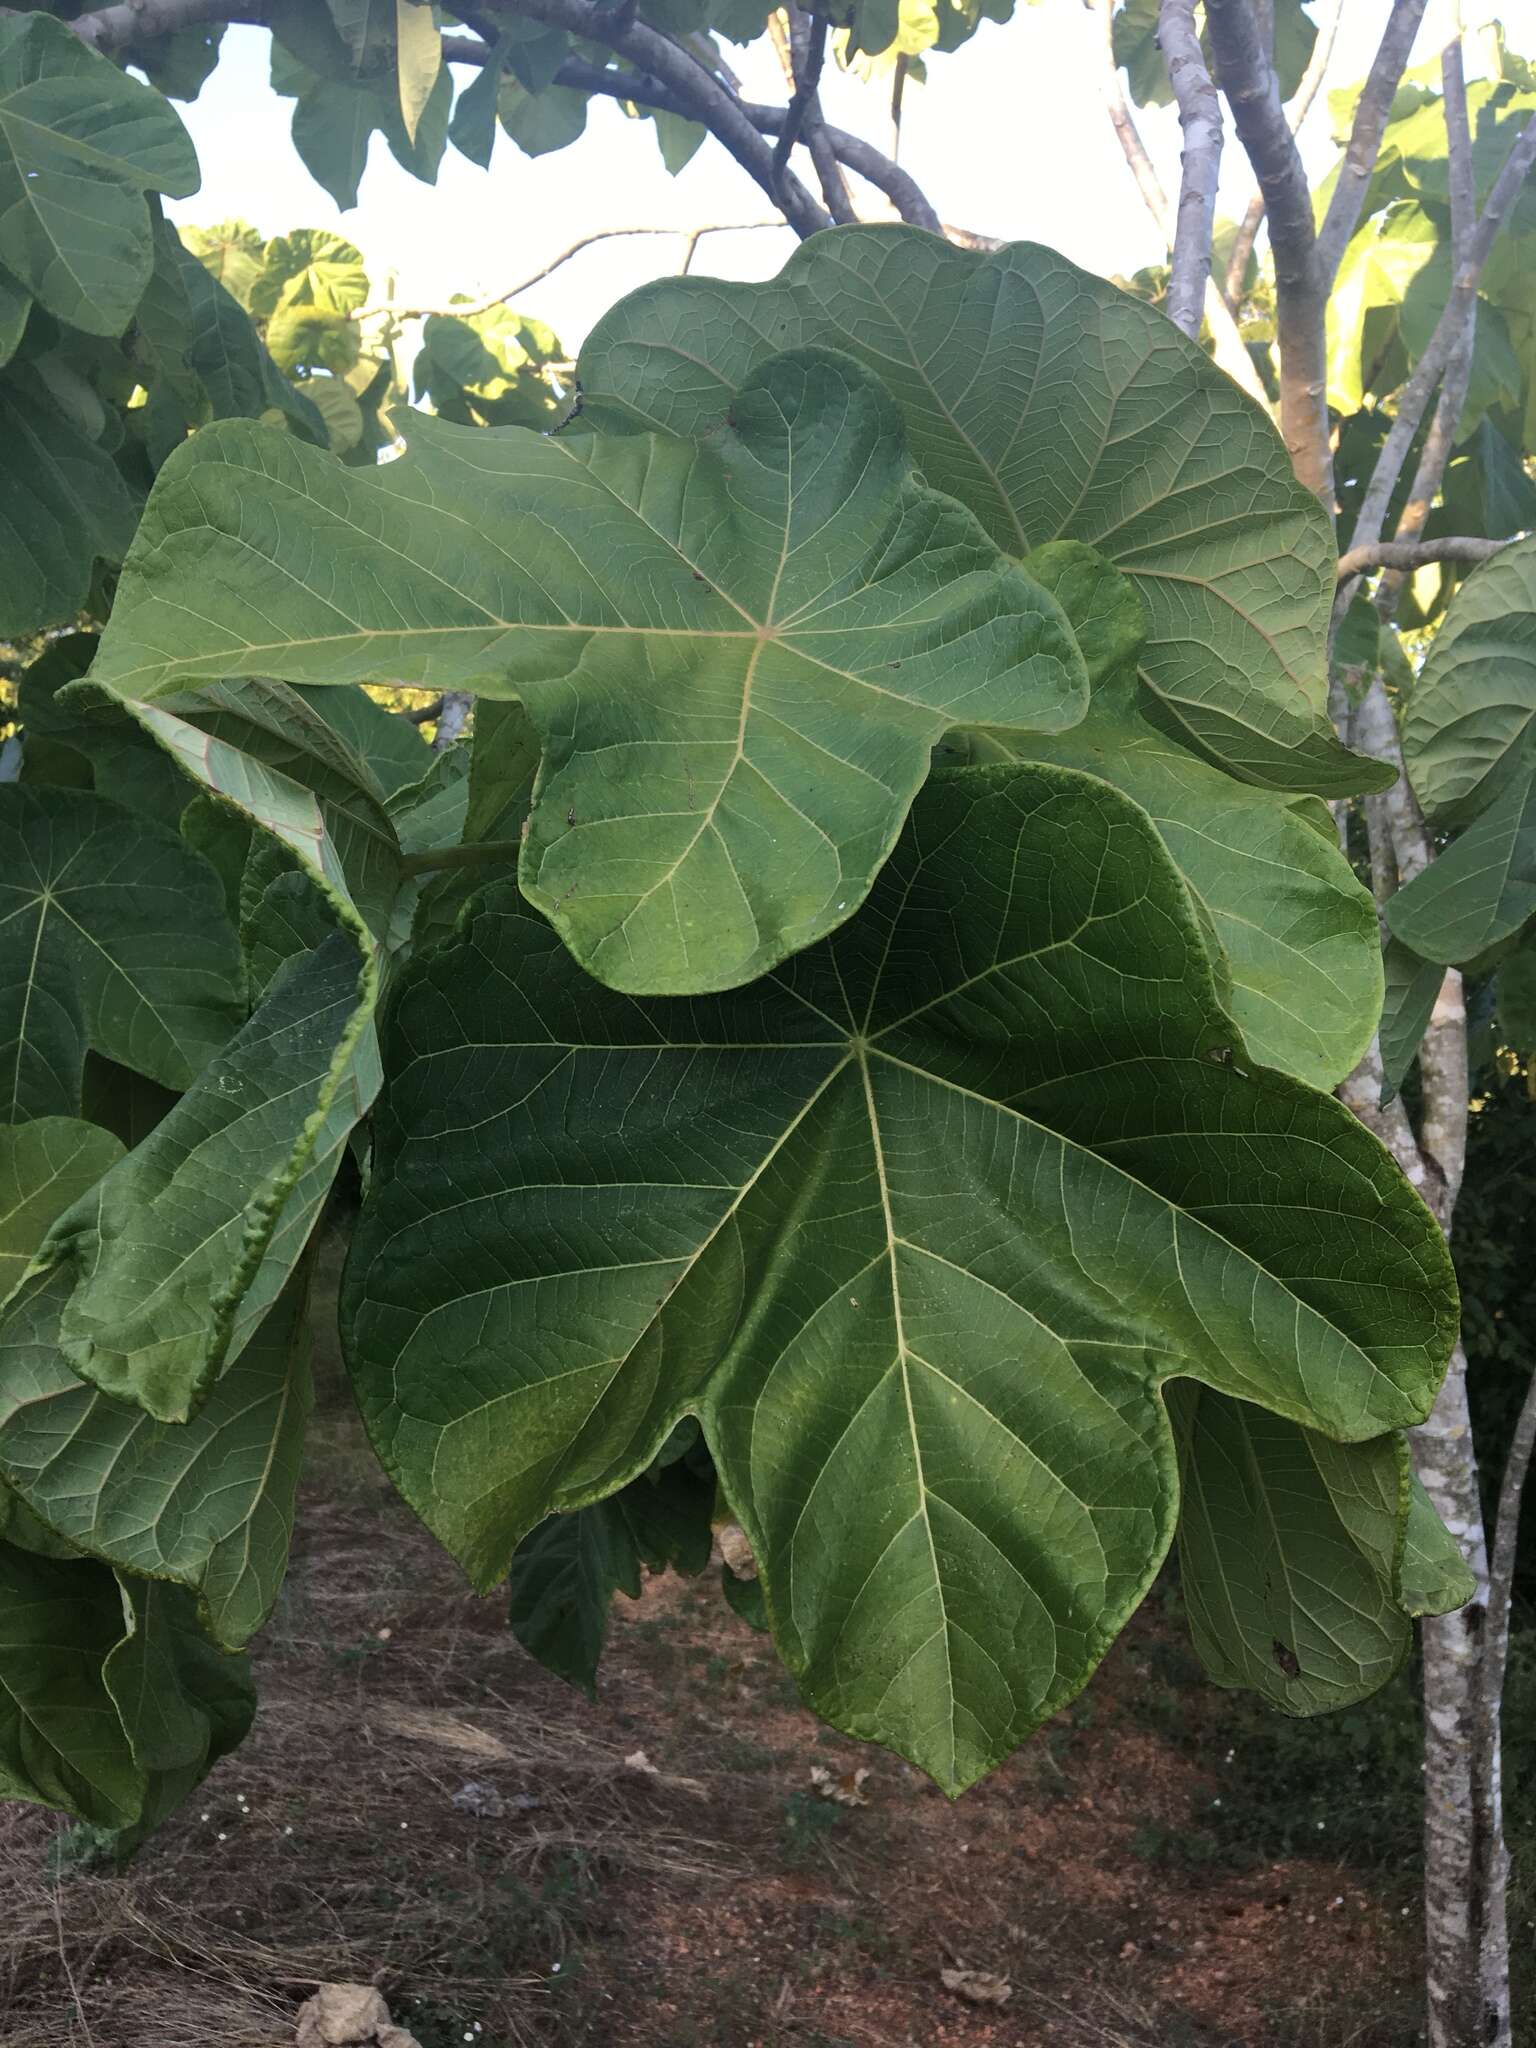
1465	1936
1200	119
1466	1862
1230	351
1297	109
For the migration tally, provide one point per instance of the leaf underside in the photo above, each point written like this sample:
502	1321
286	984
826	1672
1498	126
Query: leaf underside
917	1226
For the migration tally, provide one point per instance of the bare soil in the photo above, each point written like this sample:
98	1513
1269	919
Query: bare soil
705	1896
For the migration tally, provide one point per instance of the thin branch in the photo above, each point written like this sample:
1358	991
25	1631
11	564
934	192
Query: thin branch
700	95
1200	119
808	54
693	237
1416	554
1143	170
421	714
1501	1565
1435	454
1231	351
110	29
1415	394
1297	109
866	162
1372	113
1248	79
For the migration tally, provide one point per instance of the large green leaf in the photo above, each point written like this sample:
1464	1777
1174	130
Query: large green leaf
1298	931
63	507
1467	724
80	145
112	935
917	1226
1291	1554
738	650
1055	407
62	1742
177	1254
207	1503
1480	890
44	1166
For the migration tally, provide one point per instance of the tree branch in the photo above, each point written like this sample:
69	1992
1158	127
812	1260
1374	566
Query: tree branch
1297	109
1441	438
806	51
469	311
110	29
1248	79
1200	119
452	717
1415	554
1414	396
697	93
1364	144
1231	352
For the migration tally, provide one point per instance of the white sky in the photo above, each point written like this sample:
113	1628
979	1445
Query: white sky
1009	137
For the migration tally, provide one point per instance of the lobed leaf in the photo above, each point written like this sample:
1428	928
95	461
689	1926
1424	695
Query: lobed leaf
738	650
207	1503
918	1226
1294	928
1055	407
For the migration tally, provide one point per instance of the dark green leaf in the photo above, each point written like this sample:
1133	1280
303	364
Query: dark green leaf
63	507
112	935
1480	890
80	145
206	1503
943	1201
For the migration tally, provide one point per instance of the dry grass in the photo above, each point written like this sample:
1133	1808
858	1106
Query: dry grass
331	1848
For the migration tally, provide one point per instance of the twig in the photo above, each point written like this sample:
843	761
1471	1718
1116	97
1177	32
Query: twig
1501	1564
1415	394
1231	351
1443	428
1415	554
1248	79
1360	152
697	93
422	714
514	291
1297	109
1200	119
808	50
